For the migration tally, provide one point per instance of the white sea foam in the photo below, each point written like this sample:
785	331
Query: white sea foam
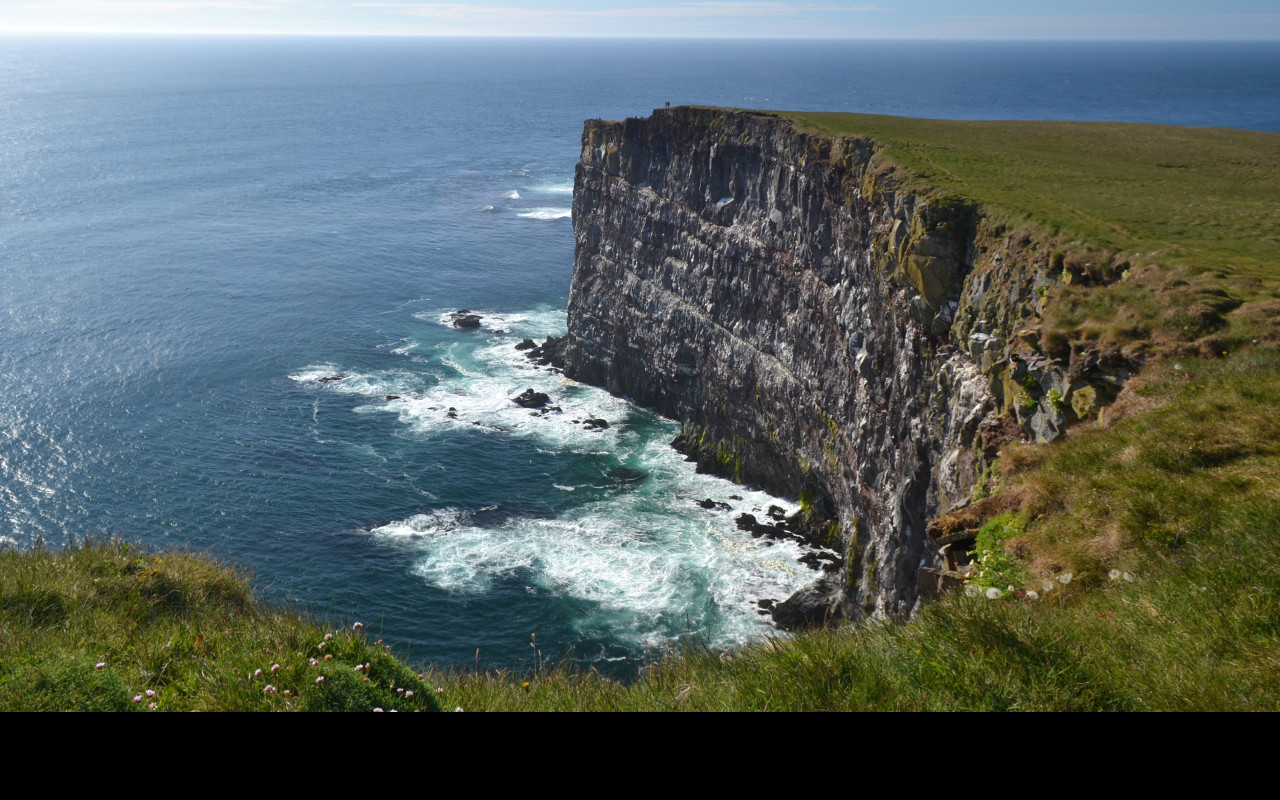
641	558
547	213
490	321
646	564
511	195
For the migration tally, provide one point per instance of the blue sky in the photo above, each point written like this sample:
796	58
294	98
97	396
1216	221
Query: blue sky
879	19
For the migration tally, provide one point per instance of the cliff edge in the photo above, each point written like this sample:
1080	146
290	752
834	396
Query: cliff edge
827	326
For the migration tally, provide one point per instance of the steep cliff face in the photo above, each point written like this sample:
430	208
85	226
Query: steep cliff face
816	333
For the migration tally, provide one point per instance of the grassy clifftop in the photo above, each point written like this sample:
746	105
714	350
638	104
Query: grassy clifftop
1203	197
106	627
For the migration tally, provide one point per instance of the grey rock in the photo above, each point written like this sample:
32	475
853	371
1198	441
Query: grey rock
816	332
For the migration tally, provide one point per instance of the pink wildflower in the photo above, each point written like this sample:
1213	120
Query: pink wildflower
100	665
320	679
137	698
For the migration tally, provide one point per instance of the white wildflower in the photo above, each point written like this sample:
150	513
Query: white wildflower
994	594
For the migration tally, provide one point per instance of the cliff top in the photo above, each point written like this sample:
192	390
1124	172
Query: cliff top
1208	198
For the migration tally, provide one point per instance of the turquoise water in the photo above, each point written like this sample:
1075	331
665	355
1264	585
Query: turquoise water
194	232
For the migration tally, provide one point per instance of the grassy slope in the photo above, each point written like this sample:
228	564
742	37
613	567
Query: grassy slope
1207	197
1181	489
179	626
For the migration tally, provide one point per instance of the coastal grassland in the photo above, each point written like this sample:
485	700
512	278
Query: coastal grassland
102	626
1167	239
1208	198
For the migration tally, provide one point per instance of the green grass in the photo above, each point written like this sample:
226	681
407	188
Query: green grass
93	627
1207	197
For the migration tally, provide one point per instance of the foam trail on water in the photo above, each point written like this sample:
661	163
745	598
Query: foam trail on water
547	213
511	195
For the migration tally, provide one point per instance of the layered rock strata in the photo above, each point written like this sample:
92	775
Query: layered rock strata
817	333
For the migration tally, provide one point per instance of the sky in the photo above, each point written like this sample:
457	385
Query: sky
880	19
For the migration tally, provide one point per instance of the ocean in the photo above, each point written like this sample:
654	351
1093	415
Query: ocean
196	232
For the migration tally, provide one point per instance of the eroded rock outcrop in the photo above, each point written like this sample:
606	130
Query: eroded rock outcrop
815	332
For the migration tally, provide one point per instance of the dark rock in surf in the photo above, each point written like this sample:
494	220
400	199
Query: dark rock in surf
531	399
465	319
549	354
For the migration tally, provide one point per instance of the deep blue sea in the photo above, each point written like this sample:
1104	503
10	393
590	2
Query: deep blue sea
194	232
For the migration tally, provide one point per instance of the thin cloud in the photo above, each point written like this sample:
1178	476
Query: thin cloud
459	13
1110	26
157	6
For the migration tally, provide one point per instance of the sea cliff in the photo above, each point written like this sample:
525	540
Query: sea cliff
818	330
